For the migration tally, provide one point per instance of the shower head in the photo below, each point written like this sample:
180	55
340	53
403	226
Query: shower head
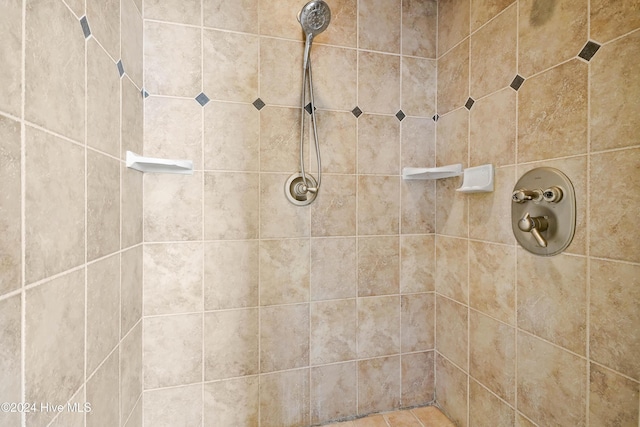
314	18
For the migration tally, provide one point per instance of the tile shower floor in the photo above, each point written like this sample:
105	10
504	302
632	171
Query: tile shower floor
427	416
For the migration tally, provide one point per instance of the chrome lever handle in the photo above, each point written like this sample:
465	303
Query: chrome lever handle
521	196
534	225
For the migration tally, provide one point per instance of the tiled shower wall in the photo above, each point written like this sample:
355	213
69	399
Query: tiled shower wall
70	213
255	310
525	340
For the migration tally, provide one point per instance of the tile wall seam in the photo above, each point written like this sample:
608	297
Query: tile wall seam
23	221
356	174
138	401
619	37
400	203
468	213
50	132
202	207
144	237
85	380
487	388
71	10
259	240
588	238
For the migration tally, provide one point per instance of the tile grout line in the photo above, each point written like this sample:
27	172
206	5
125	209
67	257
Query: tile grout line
23	219
202	201
588	237
515	251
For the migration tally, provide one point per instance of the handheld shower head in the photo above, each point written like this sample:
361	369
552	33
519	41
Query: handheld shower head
314	18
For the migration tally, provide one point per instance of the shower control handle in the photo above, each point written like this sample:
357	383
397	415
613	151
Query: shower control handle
534	225
521	196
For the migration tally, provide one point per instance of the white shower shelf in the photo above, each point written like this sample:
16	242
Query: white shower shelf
155	165
478	179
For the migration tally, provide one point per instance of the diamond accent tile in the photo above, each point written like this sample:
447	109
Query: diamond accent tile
202	99
85	27
356	112
469	103
259	104
120	68
517	82
435	118
400	115
144	93
589	50
308	108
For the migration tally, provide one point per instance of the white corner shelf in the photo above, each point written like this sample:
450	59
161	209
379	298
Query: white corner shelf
478	179
155	165
432	173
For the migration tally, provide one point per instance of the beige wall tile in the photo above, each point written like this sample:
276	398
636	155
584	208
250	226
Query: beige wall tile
490	213
378	144
453	23
378	205
173	129
402	419
378	326
431	415
493	54
284	398
419	86
335	74
53	196
181	12
280	139
561	27
104	21
103	310
172	207
10	206
333	268
419	27
131	374
378	83
418	320
609	21
417	264
231	402
230	344
333	331
452	331
492	280
492	355
172	59
240	15
552	113
451	209
550	380
280	70
452	138
485	409
230	66
615	93
175	407
278	216
484	10
284	271
338	138
370	421
59	302
131	209
231	205
280	21
613	399
132	126
379	25
54	69
231	274
334	211
343	27
103	100
452	268
135	419
231	136
103	392
418	375
452	391
10	356
378	266
418	142
492	135
521	421
131	26
11	76
552	299
333	392
378	384
131	288
70	418
612	234
103	205
614	339
172	278
284	337
172	351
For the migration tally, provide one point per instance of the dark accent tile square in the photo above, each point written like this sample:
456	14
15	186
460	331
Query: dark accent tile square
308	108
202	99
85	27
144	93
120	68
589	50
259	104
469	103
400	115
517	82
356	112
435	118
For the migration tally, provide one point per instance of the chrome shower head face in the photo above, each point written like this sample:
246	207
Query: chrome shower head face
314	17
